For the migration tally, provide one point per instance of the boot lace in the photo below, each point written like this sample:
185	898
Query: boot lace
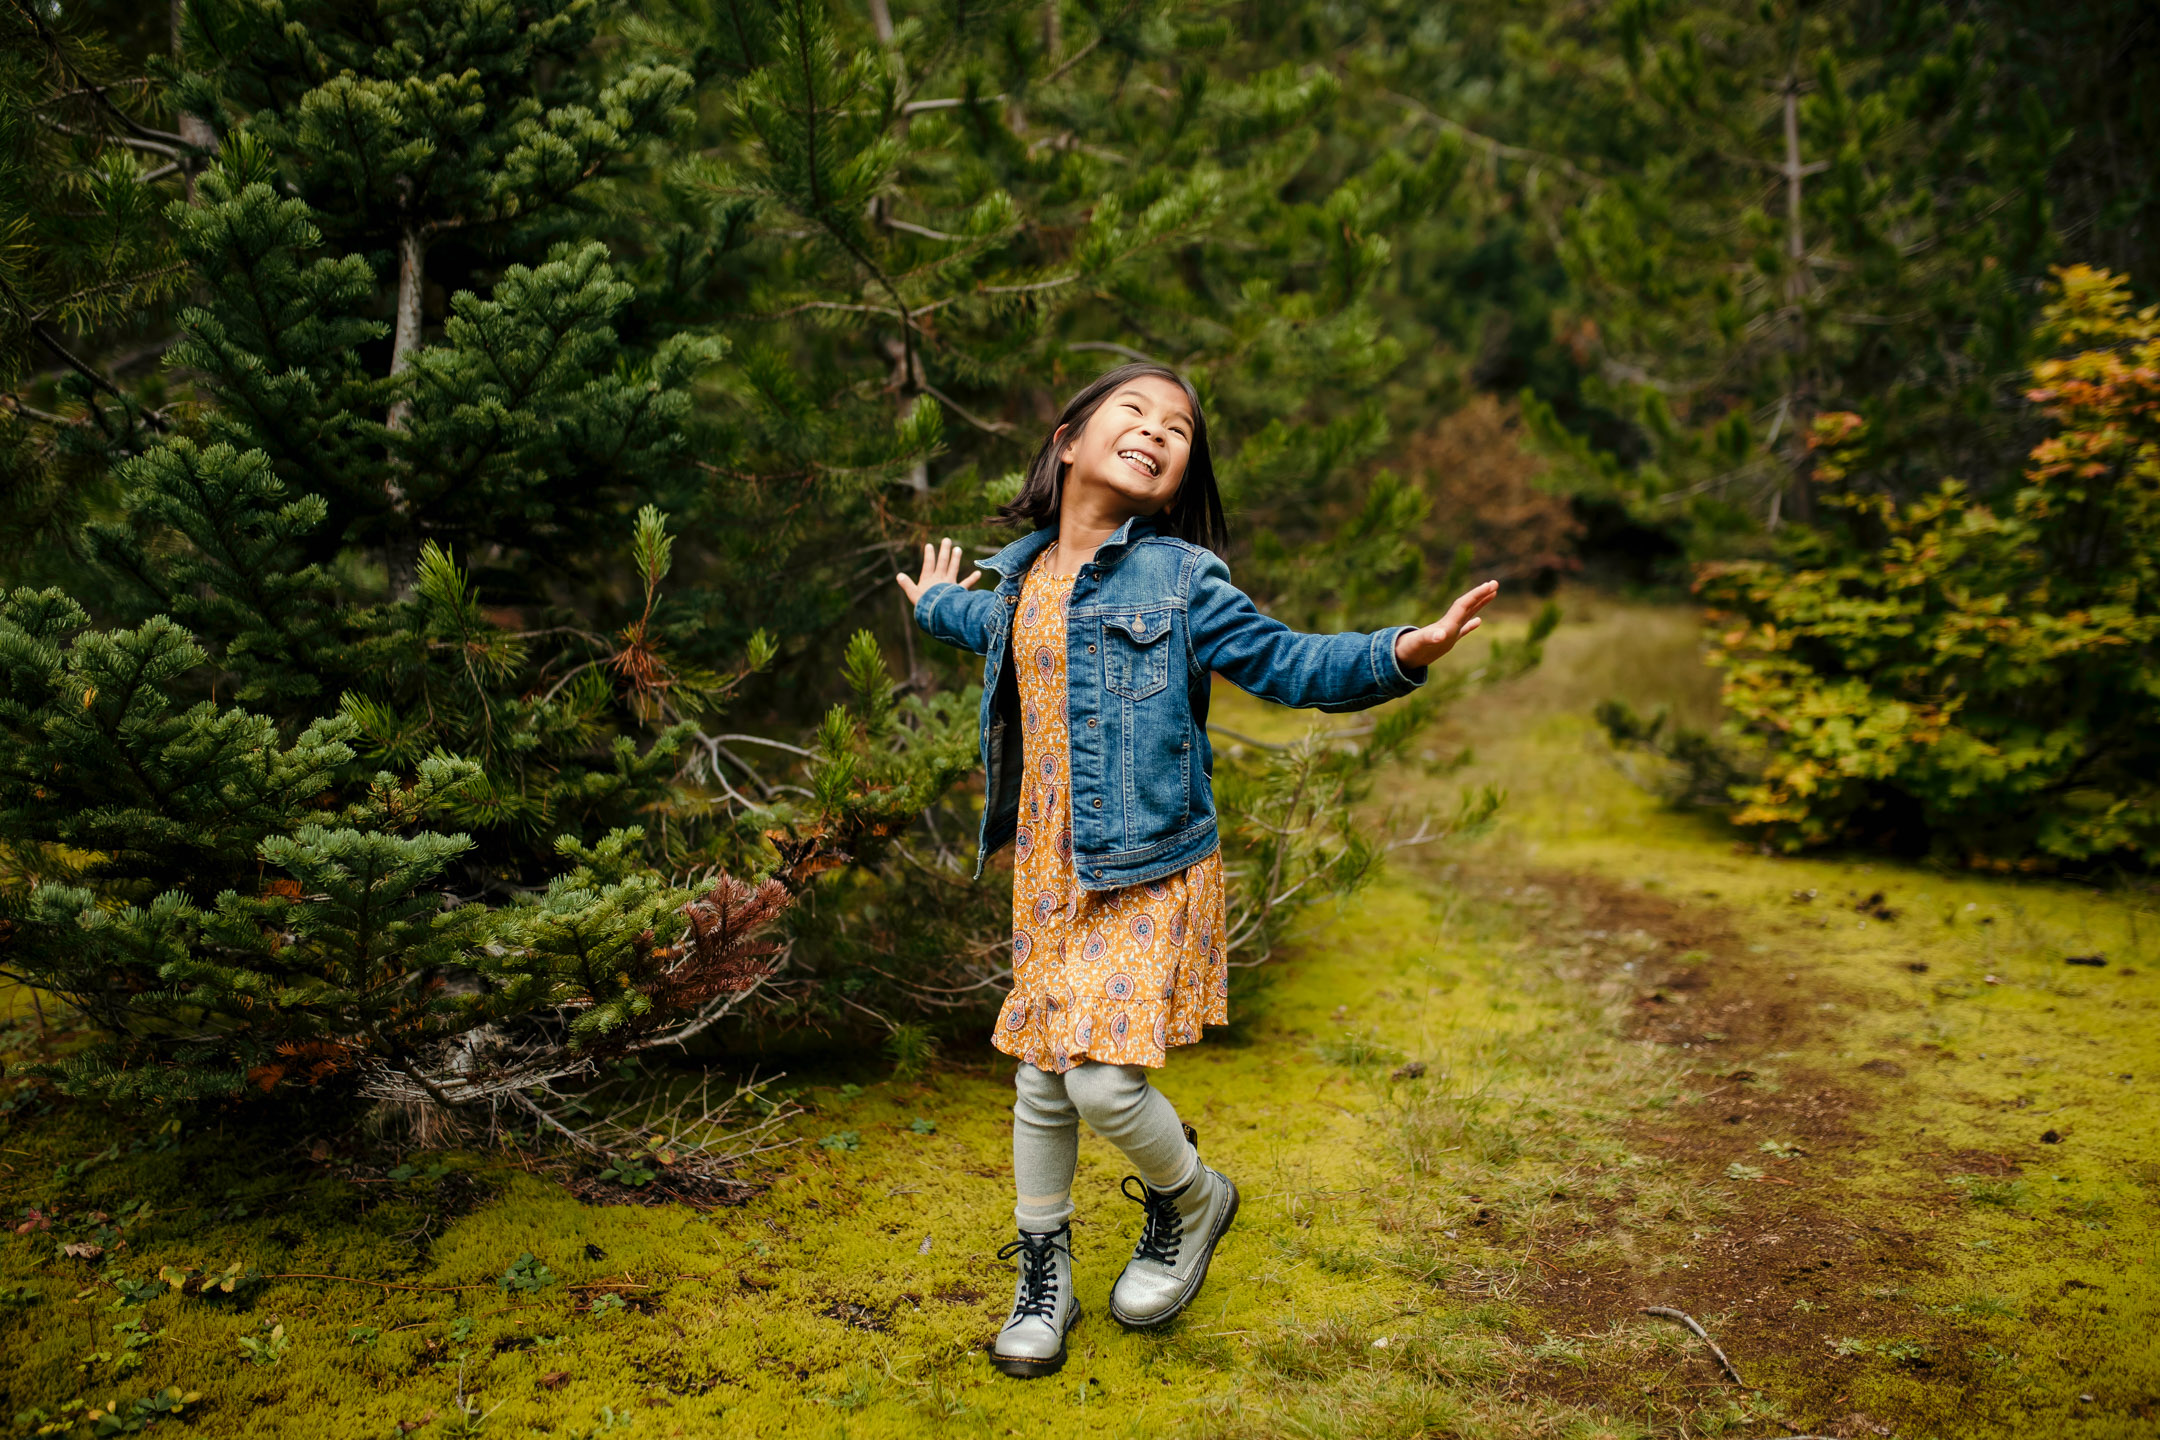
1038	1273
1164	1229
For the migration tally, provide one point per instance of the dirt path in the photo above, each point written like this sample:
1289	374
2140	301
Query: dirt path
1513	1094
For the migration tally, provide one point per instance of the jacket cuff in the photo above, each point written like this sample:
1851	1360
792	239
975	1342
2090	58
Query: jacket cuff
924	604
1397	678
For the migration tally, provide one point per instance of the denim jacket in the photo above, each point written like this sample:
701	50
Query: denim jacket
1150	617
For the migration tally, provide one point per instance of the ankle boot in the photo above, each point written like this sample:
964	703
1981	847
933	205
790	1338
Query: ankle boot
1032	1342
1177	1240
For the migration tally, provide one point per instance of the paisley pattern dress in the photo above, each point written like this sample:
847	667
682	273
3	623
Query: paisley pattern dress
1115	976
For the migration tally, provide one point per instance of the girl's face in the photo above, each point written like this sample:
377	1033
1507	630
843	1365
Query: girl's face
1134	447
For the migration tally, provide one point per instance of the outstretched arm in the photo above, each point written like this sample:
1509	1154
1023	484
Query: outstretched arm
1425	645
1262	656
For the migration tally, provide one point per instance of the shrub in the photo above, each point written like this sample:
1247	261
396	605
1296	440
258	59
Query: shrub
1975	679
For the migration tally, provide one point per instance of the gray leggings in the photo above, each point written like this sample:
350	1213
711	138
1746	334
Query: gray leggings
1119	1104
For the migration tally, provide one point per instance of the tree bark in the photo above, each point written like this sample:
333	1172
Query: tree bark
194	130
412	280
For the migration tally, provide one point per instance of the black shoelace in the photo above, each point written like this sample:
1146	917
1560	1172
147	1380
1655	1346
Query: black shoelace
1164	1229
1038	1272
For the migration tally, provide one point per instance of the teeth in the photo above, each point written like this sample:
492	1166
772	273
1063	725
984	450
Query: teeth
1147	460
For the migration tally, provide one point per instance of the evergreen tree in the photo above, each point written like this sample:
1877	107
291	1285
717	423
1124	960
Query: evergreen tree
1784	211
85	260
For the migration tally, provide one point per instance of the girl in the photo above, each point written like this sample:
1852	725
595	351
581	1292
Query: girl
1099	640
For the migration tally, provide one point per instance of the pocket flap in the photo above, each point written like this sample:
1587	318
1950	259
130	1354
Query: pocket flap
1142	629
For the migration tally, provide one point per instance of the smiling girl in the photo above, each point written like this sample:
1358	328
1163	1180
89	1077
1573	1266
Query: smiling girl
1100	640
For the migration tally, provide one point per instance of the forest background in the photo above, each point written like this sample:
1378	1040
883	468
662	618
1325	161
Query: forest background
456	454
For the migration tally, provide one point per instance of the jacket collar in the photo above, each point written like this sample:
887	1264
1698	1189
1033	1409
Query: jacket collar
1012	561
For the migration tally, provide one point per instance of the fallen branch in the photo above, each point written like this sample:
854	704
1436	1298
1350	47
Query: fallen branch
1668	1313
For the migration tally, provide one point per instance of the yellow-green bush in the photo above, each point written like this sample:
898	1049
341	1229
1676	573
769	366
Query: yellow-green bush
1974	678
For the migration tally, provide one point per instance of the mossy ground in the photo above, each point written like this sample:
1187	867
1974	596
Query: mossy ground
1461	1253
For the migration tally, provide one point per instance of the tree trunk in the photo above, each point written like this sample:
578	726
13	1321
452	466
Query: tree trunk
905	384
401	557
193	128
412	280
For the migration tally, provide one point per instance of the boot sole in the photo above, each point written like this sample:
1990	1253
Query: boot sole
1028	1367
1199	1276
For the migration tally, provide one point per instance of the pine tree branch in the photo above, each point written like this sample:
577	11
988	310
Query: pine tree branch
1496	147
988	427
1115	349
1074	59
154	418
42	417
84	87
170	150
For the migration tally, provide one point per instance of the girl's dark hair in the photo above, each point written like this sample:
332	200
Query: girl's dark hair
1196	512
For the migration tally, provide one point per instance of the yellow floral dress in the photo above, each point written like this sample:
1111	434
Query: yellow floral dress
1115	976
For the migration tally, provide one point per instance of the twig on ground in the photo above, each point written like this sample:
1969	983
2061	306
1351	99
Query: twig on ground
1668	1313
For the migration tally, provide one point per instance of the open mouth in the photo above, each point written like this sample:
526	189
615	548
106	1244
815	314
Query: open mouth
1141	461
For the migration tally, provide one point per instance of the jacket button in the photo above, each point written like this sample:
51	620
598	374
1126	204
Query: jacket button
1091	722
1098	874
1098	805
1091	649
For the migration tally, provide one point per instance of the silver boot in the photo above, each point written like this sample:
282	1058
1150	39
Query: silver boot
1032	1343
1176	1243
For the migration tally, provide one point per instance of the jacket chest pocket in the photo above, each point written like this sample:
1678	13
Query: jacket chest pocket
1136	653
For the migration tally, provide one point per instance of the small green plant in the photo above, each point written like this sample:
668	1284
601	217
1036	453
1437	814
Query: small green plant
1357	1052
2093	1214
628	1172
402	1173
912	1049
1738	1171
1980	1307
22	1295
1560	1348
133	1341
923	1127
610	1419
109	1417
607	1304
1990	1190
1783	1149
842	1140
526	1275
364	1336
268	1347
1902	1352
194	1282
461	1329
135	1292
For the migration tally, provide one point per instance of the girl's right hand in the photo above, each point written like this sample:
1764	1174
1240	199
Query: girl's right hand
939	567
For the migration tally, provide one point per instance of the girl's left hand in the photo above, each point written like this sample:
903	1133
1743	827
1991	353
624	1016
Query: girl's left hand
1422	647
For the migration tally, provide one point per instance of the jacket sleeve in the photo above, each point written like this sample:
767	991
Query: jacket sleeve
957	616
1262	656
